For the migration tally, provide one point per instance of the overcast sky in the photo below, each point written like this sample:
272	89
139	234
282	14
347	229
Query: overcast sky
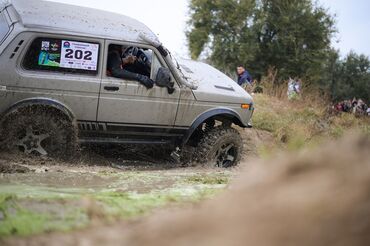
167	18
353	23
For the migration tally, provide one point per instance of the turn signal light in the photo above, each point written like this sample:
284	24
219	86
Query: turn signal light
246	106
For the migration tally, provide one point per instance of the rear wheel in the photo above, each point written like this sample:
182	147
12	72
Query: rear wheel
220	147
41	131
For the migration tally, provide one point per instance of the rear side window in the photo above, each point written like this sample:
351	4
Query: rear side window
4	27
62	55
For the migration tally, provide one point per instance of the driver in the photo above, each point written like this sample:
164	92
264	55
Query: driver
117	66
141	63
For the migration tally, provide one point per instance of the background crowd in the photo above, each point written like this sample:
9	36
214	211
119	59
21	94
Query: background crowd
354	106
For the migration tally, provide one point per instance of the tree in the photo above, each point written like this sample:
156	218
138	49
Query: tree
223	26
294	37
291	35
351	78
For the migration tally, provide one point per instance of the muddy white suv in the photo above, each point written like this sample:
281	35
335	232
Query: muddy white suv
56	87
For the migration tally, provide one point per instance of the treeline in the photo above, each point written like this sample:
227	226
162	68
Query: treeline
293	37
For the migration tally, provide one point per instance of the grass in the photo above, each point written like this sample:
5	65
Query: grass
18	220
127	205
28	210
193	188
299	124
209	179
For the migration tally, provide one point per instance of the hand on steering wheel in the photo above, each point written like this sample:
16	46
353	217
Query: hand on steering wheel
129	60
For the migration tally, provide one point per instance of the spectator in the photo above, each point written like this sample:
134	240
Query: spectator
339	107
244	78
294	89
347	106
354	106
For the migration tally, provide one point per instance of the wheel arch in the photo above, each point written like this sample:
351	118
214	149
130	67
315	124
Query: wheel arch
218	114
40	101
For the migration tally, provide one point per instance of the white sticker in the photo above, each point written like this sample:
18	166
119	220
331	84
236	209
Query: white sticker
79	55
45	45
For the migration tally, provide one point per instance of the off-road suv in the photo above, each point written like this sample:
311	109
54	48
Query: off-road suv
56	88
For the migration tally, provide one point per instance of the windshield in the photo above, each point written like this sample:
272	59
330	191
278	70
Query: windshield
4	27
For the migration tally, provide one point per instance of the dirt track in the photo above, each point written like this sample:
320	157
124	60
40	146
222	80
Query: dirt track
101	178
313	198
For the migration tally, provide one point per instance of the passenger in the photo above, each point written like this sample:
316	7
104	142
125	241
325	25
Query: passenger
117	63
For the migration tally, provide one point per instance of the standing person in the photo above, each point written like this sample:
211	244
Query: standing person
354	105
244	78
294	89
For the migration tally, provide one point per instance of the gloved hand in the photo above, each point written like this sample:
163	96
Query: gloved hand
146	81
170	90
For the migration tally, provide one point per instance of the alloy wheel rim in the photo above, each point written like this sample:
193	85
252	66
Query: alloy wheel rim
226	155
31	142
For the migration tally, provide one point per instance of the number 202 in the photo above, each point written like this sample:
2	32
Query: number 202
78	54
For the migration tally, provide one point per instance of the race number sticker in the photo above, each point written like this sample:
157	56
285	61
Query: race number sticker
78	55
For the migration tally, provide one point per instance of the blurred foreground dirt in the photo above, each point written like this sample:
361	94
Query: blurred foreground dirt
319	197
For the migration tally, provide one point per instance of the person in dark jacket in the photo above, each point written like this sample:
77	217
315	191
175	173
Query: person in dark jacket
116	66
244	78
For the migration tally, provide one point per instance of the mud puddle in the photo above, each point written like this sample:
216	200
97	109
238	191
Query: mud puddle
39	195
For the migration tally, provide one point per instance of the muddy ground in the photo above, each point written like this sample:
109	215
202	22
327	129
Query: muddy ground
313	198
39	195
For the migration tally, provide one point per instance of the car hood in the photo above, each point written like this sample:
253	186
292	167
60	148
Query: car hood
213	85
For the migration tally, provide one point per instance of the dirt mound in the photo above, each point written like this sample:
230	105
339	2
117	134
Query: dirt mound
313	198
319	198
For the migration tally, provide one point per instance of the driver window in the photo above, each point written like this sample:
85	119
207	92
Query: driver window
129	61
138	64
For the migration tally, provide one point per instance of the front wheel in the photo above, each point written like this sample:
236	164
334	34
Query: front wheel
220	147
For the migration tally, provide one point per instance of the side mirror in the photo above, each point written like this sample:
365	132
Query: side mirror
163	79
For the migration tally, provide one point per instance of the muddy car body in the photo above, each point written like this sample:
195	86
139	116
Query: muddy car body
37	37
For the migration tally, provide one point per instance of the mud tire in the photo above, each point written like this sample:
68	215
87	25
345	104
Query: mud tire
217	144
62	140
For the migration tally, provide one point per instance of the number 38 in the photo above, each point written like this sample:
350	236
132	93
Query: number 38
78	54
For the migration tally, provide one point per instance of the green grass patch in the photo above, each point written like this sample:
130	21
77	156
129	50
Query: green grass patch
127	205
15	219
208	179
28	210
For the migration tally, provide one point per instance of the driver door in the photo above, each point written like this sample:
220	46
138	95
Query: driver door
125	101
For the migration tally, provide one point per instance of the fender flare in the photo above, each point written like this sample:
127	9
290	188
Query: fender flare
209	114
43	102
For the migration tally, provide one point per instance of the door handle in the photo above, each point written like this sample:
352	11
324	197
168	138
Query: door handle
111	88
